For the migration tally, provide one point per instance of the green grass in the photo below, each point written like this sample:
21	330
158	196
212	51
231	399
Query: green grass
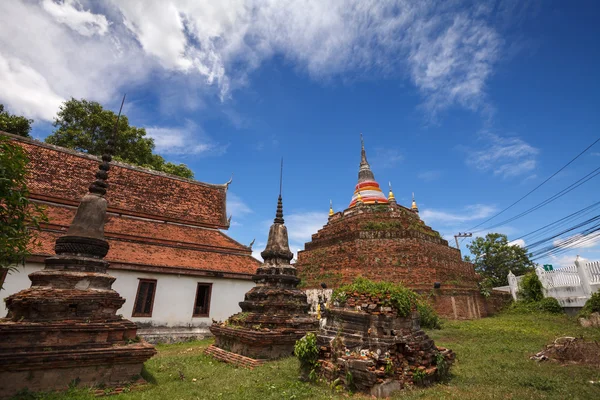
492	363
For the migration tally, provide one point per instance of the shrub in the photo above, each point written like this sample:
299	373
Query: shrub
591	306
530	287
394	295
548	304
306	350
551	305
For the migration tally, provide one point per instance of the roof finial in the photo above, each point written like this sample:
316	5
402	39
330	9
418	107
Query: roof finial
414	204
391	197
99	186
330	208
279	213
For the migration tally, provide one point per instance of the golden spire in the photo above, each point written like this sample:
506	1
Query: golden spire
391	194
330	208
414	204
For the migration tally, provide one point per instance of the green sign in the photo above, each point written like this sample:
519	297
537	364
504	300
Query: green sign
548	267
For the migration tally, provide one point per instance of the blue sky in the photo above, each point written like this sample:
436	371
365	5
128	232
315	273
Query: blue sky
468	104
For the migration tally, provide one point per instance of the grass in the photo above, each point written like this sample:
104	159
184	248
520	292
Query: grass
492	363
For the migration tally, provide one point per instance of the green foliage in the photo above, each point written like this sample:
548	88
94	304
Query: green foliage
306	350
546	305
393	295
494	258
86	126
15	124
381	225
419	376
592	305
530	287
18	215
551	305
443	368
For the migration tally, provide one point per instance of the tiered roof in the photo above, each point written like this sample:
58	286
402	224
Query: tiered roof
155	222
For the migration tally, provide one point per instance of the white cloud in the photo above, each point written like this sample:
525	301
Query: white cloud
386	157
518	242
72	14
578	241
429	176
469	213
505	156
301	226
236	206
46	61
94	49
189	139
564	260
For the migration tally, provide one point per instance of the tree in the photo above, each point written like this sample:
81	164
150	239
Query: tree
15	124
494	258
18	214
86	126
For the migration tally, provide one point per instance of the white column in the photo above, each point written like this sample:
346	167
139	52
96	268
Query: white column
583	277
512	283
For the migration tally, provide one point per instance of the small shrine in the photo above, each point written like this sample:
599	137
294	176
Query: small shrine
274	313
373	347
380	239
64	330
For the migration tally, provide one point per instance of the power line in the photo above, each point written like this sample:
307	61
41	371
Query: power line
563	220
537	187
556	196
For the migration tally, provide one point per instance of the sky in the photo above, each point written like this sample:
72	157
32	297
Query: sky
468	104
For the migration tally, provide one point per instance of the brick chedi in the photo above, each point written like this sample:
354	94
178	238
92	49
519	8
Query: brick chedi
274	313
379	239
65	329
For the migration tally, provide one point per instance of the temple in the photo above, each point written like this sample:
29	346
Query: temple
274	312
64	330
174	264
379	239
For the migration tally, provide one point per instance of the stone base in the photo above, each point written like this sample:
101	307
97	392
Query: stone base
48	356
176	334
232	358
261	345
53	379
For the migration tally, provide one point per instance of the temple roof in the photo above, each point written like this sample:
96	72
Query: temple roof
159	223
367	186
63	176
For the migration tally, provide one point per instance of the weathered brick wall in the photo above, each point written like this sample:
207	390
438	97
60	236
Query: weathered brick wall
393	246
63	175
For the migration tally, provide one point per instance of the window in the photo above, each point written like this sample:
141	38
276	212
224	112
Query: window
202	303
144	300
3	272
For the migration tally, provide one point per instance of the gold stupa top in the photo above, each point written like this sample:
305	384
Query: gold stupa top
330	208
414	204
391	194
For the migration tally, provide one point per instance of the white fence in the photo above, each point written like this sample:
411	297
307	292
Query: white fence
571	285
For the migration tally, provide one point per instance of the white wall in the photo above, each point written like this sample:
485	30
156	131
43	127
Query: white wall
173	300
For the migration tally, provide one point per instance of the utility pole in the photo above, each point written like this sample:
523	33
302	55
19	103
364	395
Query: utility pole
461	235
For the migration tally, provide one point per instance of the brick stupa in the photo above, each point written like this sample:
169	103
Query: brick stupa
64	330
274	312
379	239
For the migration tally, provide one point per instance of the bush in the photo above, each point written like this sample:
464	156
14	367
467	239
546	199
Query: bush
530	287
551	305
396	296
548	304
591	306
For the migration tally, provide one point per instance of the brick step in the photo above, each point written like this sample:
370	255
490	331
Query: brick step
232	358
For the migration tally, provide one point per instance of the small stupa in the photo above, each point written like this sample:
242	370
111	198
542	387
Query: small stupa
274	312
64	330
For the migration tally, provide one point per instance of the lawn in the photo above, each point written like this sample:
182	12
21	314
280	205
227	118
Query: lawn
492	363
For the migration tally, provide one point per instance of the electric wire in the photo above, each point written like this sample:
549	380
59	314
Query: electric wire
556	196
535	188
